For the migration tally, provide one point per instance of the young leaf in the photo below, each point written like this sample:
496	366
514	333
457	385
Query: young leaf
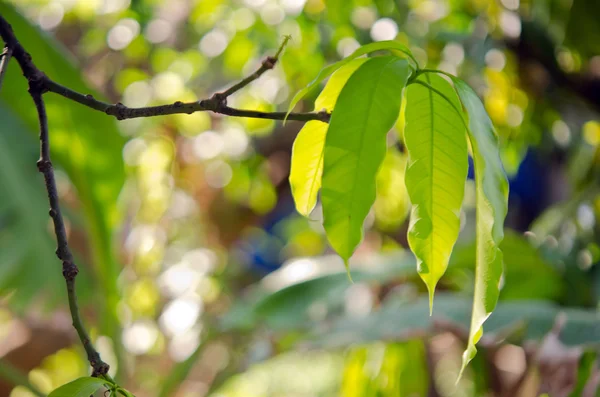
355	146
307	153
82	387
435	137
491	206
368	48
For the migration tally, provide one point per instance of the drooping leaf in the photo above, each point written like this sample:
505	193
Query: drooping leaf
327	71
435	138
82	387
85	143
355	146
491	207
307	152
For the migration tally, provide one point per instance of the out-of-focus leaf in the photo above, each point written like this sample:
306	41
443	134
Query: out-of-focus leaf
339	11
435	138
27	262
84	142
82	387
392	202
491	207
526	274
395	369
327	71
289	307
307	152
355	146
401	319
583	33
585	371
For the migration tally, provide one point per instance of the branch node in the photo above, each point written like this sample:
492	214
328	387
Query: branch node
100	368
44	166
70	271
269	62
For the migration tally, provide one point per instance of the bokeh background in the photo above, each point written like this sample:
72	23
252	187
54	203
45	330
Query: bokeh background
198	277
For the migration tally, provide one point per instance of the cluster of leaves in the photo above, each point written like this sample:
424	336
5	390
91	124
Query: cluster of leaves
342	160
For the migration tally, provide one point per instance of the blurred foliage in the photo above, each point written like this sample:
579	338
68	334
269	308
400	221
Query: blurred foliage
186	229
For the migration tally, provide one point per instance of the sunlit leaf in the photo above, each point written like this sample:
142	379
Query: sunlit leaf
327	71
435	137
491	208
307	153
82	387
355	146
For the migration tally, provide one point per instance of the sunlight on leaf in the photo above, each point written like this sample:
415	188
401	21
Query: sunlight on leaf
435	138
325	72
307	152
355	146
491	208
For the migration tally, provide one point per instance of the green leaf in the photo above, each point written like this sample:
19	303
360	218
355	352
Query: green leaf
82	387
491	206
327	71
85	143
355	146
307	152
435	138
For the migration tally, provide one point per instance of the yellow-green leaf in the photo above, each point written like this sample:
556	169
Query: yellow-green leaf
491	206
355	146
307	152
307	165
368	48
435	137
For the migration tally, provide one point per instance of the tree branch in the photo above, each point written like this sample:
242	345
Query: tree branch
37	88
214	104
39	84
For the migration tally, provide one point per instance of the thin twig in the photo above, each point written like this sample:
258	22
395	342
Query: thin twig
37	88
6	55
267	64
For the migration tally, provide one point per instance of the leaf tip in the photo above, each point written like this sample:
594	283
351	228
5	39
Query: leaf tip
431	290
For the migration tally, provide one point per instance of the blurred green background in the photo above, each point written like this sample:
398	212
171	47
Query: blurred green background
199	278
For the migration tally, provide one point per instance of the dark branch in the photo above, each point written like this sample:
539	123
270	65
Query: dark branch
214	104
37	88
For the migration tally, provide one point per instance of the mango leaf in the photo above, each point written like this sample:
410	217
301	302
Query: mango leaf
307	152
327	71
82	387
491	206
435	138
355	146
85	143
